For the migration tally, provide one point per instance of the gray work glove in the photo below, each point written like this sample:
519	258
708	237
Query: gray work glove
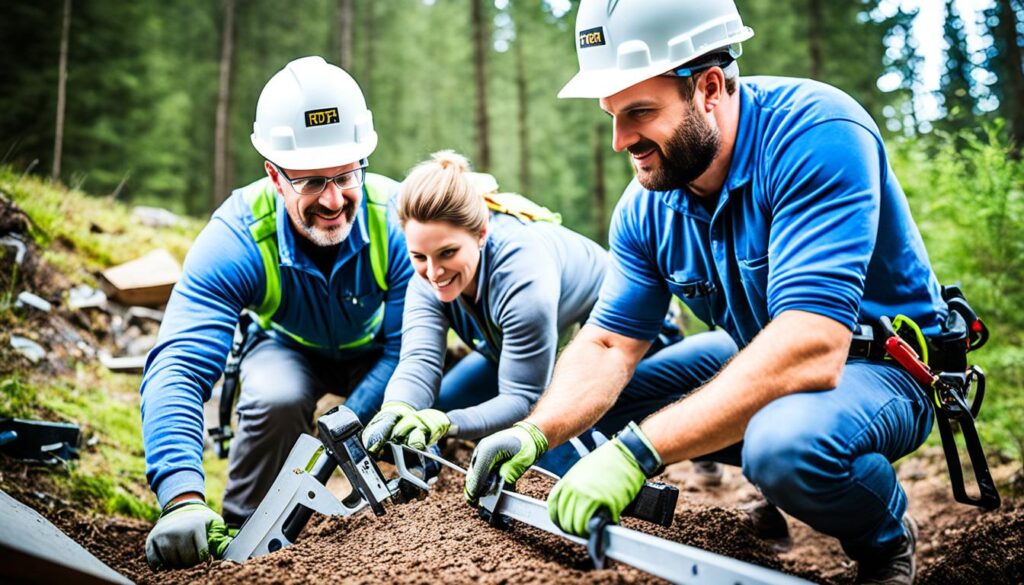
509	453
380	428
185	535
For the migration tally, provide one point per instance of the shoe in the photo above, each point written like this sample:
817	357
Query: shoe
769	524
707	473
896	566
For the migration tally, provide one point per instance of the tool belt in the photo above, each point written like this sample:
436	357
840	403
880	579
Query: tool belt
939	364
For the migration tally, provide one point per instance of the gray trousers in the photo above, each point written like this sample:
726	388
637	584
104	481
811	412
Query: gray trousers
279	389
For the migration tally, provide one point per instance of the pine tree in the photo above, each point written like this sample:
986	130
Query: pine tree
1005	58
903	60
955	91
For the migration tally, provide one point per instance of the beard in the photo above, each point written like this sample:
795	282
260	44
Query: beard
687	154
329	236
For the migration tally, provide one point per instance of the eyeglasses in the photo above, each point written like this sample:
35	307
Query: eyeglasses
315	185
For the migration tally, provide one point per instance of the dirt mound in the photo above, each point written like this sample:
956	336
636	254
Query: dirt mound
441	538
989	549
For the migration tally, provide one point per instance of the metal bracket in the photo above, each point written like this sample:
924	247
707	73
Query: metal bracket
264	531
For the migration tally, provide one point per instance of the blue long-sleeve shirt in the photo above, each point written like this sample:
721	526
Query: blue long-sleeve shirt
810	217
536	282
223	274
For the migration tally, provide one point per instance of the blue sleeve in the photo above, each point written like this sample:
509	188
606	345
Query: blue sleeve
824	199
634	296
222	274
399	272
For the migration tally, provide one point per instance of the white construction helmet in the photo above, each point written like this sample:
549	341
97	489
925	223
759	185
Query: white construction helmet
620	43
312	115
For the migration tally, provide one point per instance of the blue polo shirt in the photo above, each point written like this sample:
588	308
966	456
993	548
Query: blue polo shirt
810	218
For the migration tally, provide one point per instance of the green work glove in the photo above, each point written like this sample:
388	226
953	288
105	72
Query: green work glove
608	477
380	428
514	450
421	428
185	535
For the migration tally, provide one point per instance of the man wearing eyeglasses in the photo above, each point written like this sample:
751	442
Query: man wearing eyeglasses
313	253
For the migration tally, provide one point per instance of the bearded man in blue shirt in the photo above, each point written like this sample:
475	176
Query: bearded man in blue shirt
768	206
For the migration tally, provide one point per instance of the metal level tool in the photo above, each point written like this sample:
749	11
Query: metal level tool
672	561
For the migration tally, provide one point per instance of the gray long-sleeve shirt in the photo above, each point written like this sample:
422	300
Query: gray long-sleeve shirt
535	282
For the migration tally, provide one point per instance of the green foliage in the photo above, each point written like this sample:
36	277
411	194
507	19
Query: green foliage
1004	22
968	202
17	398
957	97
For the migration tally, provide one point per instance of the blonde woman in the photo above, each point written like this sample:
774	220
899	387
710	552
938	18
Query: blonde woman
510	287
513	286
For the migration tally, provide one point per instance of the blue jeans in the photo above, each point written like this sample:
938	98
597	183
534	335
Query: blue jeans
475	379
823	457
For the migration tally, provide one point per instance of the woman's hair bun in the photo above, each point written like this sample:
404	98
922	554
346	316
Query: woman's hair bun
449	159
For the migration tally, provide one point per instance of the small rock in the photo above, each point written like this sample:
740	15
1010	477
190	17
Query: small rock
28	348
155	217
33	300
84	296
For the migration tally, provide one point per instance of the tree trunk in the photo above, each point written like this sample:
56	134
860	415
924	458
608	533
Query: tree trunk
600	191
62	78
369	57
480	37
345	14
1013	86
524	122
815	31
221	141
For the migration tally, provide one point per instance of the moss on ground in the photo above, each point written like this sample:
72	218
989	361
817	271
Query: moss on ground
79	235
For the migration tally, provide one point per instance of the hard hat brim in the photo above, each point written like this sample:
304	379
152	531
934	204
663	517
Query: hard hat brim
323	157
601	83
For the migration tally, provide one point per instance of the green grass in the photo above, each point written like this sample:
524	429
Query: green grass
100	231
17	398
79	235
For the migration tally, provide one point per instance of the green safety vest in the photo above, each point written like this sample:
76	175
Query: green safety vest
261	197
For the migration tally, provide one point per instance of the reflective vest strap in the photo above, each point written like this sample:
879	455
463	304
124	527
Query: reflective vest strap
377	225
518	206
262	199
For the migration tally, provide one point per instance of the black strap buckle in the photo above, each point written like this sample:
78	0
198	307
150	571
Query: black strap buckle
951	392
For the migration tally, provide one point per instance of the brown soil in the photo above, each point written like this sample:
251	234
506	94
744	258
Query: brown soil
440	537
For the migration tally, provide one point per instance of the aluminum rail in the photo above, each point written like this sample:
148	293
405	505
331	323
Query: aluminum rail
672	561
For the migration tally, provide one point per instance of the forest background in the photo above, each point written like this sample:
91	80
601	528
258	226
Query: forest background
152	103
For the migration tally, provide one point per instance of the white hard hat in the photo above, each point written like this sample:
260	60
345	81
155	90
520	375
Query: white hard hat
620	43
312	115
